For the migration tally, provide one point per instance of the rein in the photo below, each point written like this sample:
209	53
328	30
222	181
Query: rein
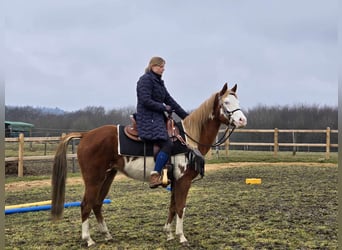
219	142
223	139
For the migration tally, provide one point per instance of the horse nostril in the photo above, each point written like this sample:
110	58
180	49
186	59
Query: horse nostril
243	120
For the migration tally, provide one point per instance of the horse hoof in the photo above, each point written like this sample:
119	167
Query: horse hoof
91	243
170	238
108	238
185	244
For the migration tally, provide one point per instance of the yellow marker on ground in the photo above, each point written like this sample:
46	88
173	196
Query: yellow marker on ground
253	181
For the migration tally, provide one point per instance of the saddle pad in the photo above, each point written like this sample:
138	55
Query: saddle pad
127	146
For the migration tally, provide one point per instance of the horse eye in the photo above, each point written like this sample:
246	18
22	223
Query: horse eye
227	102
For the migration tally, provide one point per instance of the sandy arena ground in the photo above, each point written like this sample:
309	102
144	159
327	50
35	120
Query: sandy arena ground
24	185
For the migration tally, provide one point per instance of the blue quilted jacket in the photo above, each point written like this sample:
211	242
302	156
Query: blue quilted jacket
152	95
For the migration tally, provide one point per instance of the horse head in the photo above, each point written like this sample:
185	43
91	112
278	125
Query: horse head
228	107
202	125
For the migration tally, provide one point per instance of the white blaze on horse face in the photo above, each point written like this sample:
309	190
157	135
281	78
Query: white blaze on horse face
231	105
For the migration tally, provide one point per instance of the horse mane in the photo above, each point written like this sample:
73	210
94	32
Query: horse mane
193	123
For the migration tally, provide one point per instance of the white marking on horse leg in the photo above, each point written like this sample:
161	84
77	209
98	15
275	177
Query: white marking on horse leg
104	229
168	231
86	234
179	228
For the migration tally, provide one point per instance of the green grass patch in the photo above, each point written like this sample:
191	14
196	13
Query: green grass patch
268	156
295	207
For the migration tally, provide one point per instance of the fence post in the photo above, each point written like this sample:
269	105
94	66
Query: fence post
73	158
21	156
294	149
275	142
327	149
209	156
226	145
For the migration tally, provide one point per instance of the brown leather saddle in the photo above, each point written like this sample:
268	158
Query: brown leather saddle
132	132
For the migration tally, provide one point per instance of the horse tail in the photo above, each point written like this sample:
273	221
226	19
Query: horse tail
59	172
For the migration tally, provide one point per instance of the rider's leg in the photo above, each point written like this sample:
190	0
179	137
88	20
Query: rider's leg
161	159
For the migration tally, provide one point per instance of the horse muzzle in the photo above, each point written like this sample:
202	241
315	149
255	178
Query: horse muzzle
240	123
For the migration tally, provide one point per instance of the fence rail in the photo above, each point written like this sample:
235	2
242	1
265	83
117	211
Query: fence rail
275	144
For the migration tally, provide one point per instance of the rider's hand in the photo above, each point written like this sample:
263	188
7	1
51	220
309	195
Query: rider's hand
168	108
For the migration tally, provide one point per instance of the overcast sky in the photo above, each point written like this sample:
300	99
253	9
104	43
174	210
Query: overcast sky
79	53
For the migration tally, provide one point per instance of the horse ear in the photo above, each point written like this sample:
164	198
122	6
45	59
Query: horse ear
234	88
224	89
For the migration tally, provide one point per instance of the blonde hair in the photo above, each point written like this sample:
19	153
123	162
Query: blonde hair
156	60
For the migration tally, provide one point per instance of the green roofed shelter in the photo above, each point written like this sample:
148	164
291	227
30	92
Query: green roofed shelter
13	129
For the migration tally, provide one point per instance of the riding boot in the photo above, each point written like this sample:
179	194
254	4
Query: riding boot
161	160
155	180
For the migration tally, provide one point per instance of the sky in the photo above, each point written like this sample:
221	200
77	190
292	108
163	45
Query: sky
81	53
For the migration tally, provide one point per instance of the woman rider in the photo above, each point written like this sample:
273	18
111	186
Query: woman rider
153	100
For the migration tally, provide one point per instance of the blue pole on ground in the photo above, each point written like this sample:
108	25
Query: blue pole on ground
45	207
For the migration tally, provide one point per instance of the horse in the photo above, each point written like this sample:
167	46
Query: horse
100	161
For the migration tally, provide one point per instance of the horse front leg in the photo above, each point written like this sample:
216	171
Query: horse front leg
172	213
181	192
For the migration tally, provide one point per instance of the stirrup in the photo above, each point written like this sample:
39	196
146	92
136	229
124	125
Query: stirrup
165	180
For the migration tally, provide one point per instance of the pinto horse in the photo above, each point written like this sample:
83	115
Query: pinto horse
99	162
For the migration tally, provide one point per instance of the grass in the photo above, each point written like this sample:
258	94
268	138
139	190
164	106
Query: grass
295	207
38	148
37	170
31	148
268	156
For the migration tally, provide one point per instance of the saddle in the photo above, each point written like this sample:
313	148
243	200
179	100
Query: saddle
132	132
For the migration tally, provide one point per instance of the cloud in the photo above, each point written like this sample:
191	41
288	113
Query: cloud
72	54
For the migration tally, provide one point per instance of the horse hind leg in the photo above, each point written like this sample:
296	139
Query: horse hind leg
98	207
85	212
101	222
93	200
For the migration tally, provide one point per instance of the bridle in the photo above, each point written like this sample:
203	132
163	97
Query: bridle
228	114
219	142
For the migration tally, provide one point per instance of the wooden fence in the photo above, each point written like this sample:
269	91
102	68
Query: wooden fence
275	144
21	158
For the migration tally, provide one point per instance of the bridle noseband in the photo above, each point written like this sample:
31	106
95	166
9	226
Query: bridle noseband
229	113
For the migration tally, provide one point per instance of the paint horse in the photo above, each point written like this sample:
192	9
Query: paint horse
100	161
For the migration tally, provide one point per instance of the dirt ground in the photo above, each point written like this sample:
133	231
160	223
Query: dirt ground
24	185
